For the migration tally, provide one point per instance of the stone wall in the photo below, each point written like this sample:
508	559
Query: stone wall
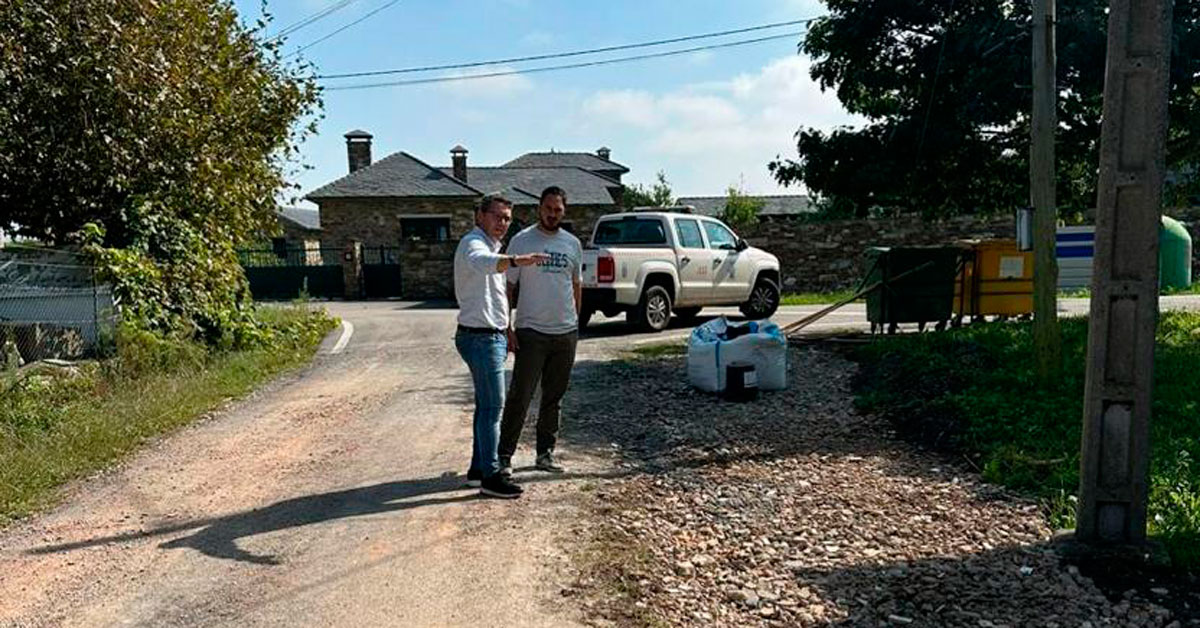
582	218
427	269
818	256
376	221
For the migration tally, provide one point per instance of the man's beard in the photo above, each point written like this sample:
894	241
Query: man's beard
549	227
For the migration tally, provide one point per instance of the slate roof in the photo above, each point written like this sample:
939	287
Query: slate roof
582	187
398	174
587	161
777	205
301	217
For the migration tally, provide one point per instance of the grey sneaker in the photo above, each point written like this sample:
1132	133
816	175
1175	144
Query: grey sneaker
546	462
506	466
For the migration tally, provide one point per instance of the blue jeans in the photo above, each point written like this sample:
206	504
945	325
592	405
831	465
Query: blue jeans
484	355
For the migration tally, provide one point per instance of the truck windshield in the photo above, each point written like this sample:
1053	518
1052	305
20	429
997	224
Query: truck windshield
631	231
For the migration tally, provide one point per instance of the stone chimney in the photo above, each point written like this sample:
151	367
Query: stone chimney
458	158
358	149
603	153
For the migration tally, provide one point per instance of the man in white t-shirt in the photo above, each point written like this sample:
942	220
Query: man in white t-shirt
547	296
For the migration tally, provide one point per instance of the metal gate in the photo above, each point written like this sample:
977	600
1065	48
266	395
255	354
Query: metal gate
381	272
289	272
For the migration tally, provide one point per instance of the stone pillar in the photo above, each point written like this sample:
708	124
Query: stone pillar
352	269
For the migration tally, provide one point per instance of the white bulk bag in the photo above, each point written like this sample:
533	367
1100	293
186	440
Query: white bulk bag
764	346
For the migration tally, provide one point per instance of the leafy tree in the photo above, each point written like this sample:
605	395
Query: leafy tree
657	195
945	89
164	128
741	210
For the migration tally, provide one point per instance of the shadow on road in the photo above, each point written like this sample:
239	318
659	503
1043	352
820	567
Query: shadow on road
217	537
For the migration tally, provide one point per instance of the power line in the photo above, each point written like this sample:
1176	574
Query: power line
365	17
586	64
312	19
574	53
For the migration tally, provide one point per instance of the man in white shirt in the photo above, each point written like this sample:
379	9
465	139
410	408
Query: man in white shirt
481	338
547	297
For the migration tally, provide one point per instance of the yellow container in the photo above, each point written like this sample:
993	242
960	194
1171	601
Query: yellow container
996	280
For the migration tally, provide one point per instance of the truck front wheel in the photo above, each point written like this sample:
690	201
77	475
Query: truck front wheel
764	300
653	311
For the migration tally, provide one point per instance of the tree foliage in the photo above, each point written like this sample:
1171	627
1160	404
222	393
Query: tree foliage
165	127
945	89
657	195
741	210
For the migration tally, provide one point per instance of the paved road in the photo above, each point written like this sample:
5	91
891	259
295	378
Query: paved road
852	317
328	498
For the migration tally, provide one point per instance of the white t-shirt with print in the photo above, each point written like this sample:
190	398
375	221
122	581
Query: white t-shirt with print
546	301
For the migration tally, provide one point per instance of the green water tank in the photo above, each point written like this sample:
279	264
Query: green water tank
1174	255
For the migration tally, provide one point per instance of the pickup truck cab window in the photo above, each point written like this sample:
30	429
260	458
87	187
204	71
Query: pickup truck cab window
643	231
689	234
719	237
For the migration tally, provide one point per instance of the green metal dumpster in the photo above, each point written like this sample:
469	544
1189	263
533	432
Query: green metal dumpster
1174	255
916	285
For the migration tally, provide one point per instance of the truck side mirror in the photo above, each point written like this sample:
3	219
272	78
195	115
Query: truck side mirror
742	245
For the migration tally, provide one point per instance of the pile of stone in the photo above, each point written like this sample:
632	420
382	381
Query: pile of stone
798	511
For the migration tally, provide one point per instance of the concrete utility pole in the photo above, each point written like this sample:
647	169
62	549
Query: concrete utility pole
1047	339
1120	360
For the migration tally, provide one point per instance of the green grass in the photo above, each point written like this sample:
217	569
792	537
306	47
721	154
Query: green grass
1085	293
56	428
973	391
815	298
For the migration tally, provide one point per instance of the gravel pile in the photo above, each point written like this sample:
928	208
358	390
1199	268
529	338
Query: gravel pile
797	511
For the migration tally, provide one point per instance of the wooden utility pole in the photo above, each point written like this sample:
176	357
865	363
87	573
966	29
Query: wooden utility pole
1047	339
1120	360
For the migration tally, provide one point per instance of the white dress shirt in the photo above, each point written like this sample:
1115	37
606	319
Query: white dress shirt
478	286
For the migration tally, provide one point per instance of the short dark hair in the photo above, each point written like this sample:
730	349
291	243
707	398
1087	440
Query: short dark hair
488	200
554	190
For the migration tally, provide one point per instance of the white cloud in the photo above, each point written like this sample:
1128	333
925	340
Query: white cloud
721	133
538	39
493	86
631	107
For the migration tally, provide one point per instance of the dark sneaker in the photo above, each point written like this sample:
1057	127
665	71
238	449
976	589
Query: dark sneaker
546	462
500	486
506	466
474	477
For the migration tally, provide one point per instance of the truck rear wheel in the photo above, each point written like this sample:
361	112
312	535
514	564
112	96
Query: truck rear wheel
653	311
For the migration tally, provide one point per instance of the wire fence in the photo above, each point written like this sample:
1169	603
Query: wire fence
51	308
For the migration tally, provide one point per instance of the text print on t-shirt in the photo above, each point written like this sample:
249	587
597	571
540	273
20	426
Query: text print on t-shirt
556	263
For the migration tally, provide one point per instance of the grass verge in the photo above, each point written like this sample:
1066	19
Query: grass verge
659	350
815	298
58	426
973	391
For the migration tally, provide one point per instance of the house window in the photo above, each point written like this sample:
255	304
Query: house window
426	229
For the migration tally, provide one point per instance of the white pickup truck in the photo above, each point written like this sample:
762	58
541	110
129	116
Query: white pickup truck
650	264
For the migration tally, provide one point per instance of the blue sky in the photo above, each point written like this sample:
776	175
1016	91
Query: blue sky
708	119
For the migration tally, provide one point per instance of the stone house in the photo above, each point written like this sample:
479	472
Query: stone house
403	203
